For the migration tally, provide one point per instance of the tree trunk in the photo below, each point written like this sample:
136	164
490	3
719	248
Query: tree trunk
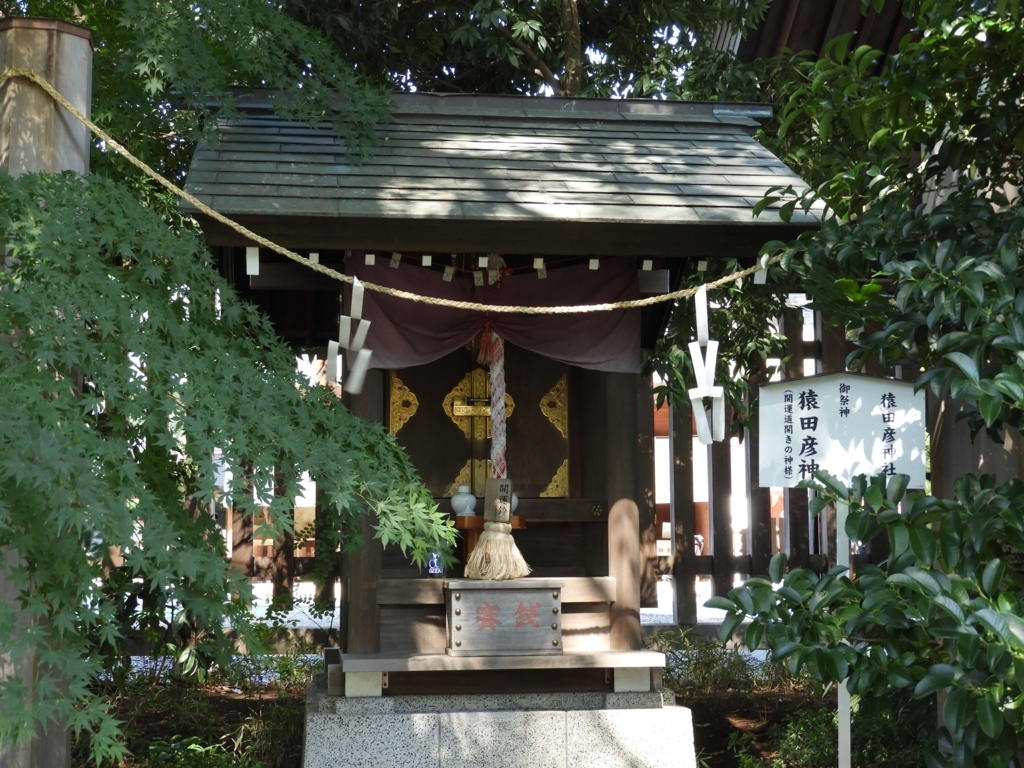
282	571
36	136
572	82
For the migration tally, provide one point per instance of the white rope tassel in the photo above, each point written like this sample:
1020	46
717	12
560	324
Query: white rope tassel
496	556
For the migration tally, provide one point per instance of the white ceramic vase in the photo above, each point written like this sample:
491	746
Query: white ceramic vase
463	502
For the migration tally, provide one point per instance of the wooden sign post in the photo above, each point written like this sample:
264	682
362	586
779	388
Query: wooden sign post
498	500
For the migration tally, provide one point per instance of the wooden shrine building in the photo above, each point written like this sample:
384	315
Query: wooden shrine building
606	199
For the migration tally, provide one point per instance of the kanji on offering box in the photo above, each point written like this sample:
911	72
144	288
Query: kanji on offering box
520	617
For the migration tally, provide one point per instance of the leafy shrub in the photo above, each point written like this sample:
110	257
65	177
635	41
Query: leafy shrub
701	669
697	668
890	732
273	738
942	614
191	753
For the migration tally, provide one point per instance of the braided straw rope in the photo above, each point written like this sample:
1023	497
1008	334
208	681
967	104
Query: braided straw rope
327	271
499	467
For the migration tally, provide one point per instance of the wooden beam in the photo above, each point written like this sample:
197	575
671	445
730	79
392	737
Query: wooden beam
589	510
834	348
363	618
575	589
364	564
759	532
556	238
684	524
644	447
241	542
293	277
623	515
719	495
439	662
593	463
325	591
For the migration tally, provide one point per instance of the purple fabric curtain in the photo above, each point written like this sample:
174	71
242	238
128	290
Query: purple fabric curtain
405	333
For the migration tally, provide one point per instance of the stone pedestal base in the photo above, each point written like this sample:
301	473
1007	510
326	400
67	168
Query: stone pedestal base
532	730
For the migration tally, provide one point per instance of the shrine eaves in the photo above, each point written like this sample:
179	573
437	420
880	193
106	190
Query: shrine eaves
505	174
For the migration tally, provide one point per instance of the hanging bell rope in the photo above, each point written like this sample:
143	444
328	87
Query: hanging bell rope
496	556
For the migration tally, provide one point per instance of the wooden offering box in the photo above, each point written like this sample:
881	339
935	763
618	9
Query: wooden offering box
522	617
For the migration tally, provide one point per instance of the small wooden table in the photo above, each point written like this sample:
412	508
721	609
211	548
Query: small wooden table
473	526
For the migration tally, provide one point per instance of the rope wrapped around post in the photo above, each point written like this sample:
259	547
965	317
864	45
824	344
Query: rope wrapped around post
496	556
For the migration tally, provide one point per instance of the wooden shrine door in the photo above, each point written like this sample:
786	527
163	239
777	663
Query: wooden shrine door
438	414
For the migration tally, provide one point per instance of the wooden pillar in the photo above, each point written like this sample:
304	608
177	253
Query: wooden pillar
363	619
759	533
364	564
834	348
282	571
623	513
719	494
593	463
325	592
684	524
38	136
645	493
241	542
954	454
797	529
282	562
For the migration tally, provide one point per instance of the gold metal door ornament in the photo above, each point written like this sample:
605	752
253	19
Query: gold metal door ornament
404	404
474	474
558	488
468	405
465	477
555	406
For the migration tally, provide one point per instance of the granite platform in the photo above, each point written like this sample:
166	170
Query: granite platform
527	730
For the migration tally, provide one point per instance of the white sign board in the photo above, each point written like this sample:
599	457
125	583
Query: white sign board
845	424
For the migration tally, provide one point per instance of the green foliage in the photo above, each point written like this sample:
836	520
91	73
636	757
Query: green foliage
942	615
892	732
638	48
699	669
259	739
125	361
742	324
191	753
918	157
920	168
162	71
176	721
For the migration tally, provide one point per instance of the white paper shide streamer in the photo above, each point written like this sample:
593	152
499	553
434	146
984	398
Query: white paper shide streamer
704	363
352	330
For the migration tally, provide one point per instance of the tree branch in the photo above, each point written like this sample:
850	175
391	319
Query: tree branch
573	48
540	67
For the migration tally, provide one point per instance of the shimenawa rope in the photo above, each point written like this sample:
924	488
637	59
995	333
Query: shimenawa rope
327	271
